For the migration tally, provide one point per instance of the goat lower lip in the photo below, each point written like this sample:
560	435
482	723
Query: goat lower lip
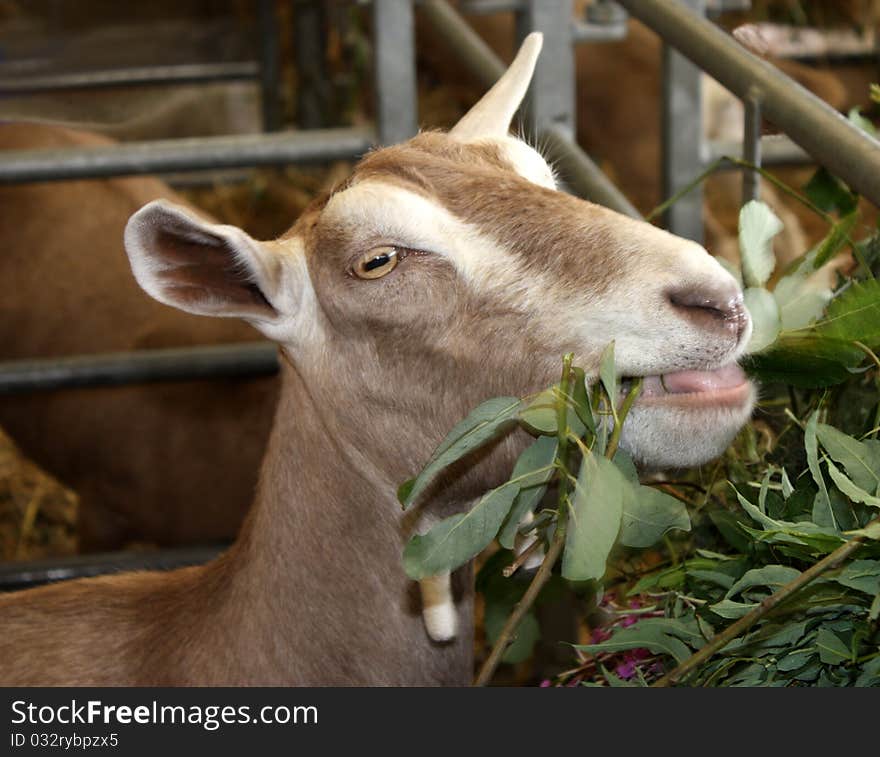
727	385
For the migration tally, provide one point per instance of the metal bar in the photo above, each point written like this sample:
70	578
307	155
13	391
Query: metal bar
584	32
192	154
551	95
751	147
142	366
190	73
717	7
582	175
394	68
25	574
682	138
269	69
776	150
842	148
606	22
485	7
311	70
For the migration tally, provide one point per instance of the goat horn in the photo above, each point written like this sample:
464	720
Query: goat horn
492	115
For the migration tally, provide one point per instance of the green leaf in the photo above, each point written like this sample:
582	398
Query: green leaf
535	460
832	651
850	489
485	423
836	239
796	533
581	399
712	576
870	675
527	633
594	518
766	322
855	315
782	636
731	610
822	512
659	635
648	514
771	576
862	462
861	575
829	193
757	227
809	361
796	659
454	541
856	118
871	531
541	413
626	466
801	299
787	488
608	376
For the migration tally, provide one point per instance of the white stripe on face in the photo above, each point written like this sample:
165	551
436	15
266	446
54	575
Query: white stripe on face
386	213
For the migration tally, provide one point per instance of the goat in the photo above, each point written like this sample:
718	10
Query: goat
171	463
444	271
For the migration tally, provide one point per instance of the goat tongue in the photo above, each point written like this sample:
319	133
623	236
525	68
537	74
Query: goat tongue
692	382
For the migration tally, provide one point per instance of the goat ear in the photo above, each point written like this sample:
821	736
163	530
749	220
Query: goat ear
492	115
201	267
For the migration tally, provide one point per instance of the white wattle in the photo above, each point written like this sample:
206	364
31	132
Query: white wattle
438	607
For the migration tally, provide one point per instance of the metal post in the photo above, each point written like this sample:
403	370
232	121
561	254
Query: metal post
312	96
751	146
394	64
841	147
582	175
269	65
551	99
682	134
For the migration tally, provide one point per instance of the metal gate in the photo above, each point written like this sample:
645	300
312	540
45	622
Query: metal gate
692	44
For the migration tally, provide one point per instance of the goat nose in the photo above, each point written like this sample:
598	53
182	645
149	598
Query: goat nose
720	310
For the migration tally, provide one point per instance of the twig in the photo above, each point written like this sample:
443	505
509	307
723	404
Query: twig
522	607
721	640
558	542
556	545
521	559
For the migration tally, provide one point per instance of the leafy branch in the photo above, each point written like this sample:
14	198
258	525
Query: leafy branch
733	631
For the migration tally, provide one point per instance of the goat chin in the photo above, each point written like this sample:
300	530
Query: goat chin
660	438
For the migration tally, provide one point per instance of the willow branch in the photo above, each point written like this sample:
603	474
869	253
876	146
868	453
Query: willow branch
522	607
721	640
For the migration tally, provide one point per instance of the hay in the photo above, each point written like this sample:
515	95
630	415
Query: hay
37	513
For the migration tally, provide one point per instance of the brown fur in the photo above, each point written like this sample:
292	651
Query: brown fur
166	463
376	372
313	592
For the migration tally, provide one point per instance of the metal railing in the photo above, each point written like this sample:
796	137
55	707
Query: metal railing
692	44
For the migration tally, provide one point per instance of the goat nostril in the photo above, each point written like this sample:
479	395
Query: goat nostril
715	310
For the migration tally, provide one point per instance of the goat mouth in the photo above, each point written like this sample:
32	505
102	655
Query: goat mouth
726	386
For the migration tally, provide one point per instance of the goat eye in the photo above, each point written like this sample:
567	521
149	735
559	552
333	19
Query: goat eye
376	263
